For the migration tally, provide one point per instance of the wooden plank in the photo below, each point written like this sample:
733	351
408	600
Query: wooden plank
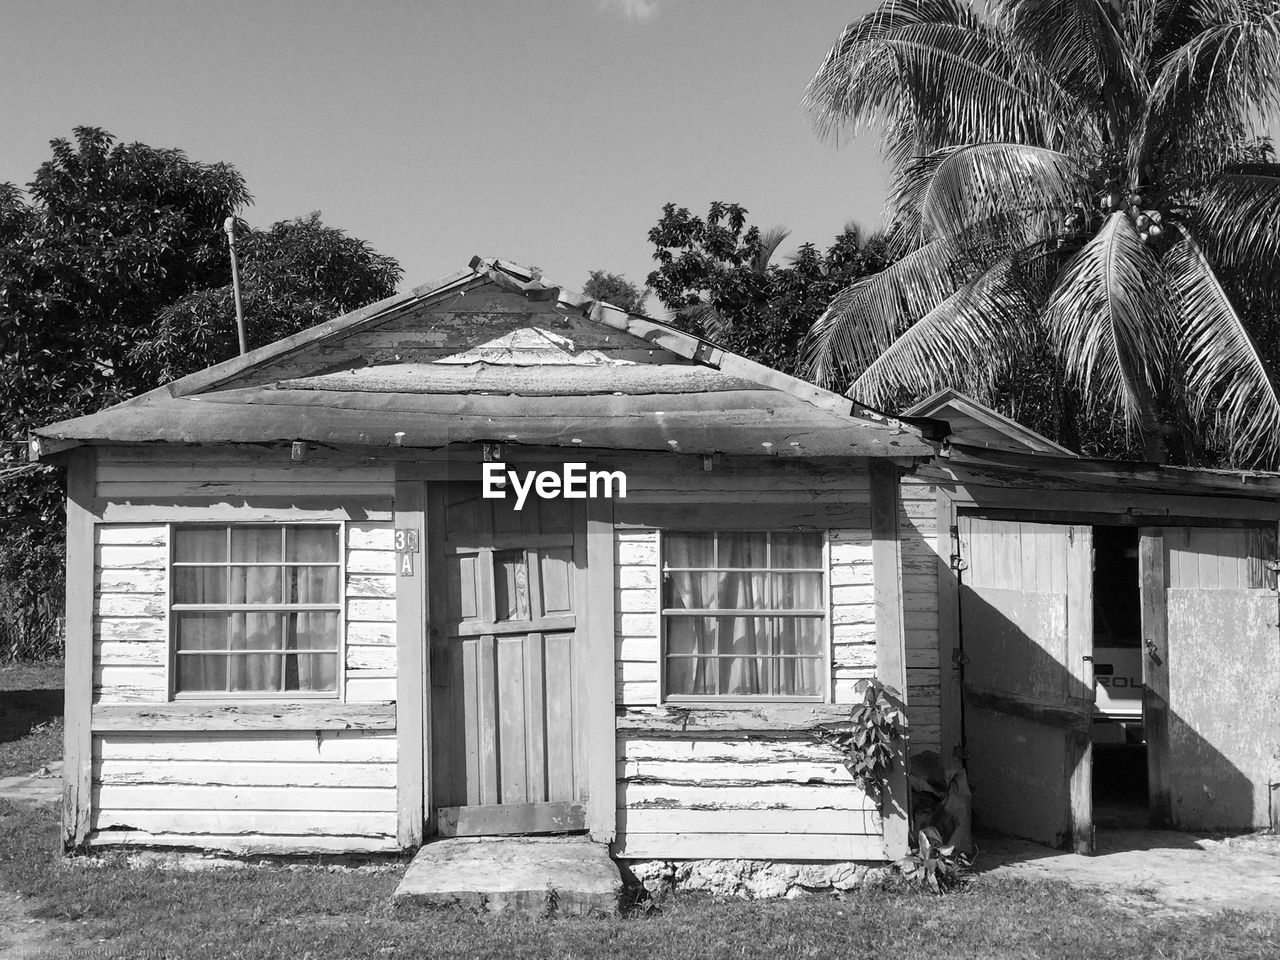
372	504
891	654
487	720
949	747
747	718
511	818
1079	650
535	737
1155	672
196	822
247	844
745	822
77	736
753	846
234	717
207	797
716	750
247	773
561	704
297	746
597	632
412	682
512	749
789	796
1028	708
734	772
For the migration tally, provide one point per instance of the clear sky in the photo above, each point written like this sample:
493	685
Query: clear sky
547	132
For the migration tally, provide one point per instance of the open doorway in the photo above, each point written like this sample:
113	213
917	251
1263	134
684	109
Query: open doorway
1119	741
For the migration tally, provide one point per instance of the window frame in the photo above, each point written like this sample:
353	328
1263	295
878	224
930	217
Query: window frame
824	616
338	693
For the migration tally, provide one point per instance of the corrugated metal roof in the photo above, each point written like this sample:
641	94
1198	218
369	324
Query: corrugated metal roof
486	360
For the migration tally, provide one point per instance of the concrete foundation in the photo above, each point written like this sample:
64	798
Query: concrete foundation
535	876
754	879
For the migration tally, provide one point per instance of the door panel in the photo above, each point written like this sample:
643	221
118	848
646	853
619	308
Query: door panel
1026	619
506	690
1212	673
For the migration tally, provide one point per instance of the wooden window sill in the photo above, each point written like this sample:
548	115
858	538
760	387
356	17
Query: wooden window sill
731	717
244	715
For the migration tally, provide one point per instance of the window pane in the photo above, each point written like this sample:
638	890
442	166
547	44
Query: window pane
797	550
197	673
742	591
691	676
255	672
312	631
255	544
743	550
510	585
255	585
743	635
311	544
200	544
744	676
689	549
798	677
199	584
691	635
689	591
200	631
311	671
797	635
256	631
797	591
311	584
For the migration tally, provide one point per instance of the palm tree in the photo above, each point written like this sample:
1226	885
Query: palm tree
704	316
1070	174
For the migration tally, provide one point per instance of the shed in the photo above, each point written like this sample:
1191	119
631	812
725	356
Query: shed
1107	640
303	614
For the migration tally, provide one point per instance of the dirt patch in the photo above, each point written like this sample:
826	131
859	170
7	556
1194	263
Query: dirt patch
1154	870
27	937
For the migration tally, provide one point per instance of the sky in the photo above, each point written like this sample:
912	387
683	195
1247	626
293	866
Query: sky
549	133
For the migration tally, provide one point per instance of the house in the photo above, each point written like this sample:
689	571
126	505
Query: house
1076	596
312	604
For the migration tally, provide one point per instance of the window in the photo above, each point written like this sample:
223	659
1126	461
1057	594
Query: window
744	615
256	609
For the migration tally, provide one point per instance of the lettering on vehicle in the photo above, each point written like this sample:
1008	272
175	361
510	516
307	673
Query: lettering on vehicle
572	482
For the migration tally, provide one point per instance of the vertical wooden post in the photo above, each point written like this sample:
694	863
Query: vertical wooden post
412	664
600	713
77	743
1079	745
1155	672
891	644
948	633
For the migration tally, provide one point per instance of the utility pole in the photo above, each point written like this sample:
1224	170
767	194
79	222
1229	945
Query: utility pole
229	225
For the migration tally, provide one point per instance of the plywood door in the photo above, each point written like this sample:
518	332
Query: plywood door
1026	596
507	665
1212	676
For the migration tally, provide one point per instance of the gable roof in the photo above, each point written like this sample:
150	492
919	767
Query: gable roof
494	354
977	425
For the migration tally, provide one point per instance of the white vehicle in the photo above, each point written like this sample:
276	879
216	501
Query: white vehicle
1117	673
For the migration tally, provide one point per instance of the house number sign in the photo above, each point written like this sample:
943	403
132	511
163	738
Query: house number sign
406	548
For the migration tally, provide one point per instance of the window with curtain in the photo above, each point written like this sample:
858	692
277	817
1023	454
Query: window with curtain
744	615
256	609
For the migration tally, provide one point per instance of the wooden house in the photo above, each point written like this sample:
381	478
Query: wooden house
304	614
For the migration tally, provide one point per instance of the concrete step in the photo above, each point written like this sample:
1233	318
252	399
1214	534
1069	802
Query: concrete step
535	876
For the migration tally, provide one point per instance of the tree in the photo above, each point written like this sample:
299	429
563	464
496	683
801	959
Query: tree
1072	182
614	288
717	277
114	278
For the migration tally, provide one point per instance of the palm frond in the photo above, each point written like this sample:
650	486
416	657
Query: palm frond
1239	220
770	240
1225	378
956	342
1107	317
866	317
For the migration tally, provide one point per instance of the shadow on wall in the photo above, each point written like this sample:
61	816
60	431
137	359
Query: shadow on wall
1023	733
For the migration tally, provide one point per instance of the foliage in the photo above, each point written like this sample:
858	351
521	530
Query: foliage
876	728
932	866
114	277
616	289
718	278
1073	182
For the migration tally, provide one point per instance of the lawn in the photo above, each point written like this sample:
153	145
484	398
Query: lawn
312	912
30	716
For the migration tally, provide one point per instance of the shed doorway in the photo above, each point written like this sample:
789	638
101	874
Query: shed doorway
507	664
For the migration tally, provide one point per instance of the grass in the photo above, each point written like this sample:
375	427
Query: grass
312	912
30	716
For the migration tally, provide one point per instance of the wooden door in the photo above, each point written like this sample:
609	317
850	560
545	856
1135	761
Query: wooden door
1026	622
507	665
1211	672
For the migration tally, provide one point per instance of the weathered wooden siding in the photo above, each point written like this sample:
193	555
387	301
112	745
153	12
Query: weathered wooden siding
206	785
918	526
739	792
